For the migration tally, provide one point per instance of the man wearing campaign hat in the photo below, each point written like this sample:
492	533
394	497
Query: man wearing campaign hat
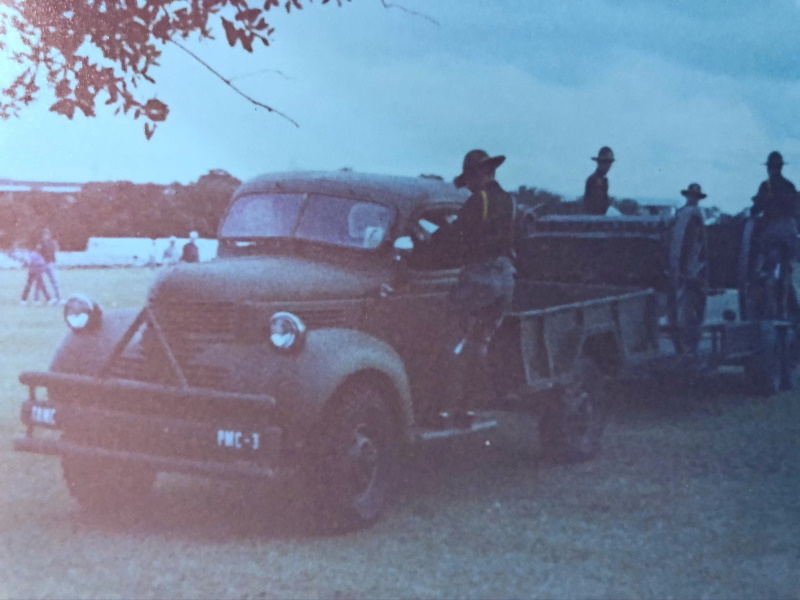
693	194
595	197
485	285
776	201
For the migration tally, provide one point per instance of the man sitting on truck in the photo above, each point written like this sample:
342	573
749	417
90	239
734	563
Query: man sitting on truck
483	293
776	201
595	198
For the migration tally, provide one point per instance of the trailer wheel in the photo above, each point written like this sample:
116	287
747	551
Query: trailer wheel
768	369
102	486
351	465
750	301
572	425
688	280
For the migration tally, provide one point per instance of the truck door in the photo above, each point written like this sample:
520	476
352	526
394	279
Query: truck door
417	316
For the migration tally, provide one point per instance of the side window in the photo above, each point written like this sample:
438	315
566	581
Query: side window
436	243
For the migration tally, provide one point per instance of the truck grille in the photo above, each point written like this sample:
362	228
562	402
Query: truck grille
189	327
203	321
216	322
139	369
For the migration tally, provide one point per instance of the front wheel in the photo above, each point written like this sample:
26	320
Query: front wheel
102	486
572	425
354	458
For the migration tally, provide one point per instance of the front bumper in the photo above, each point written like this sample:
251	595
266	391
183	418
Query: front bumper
239	441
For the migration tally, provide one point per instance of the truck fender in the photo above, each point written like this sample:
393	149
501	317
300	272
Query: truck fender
86	353
338	355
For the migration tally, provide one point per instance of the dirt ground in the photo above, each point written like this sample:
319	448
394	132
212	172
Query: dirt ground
696	494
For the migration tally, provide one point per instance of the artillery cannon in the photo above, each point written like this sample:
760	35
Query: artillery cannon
669	255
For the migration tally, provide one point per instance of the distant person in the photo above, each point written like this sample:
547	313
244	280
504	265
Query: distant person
693	194
191	253
776	203
36	264
595	197
47	248
170	256
152	262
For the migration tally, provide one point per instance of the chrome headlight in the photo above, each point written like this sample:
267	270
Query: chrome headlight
81	313
286	332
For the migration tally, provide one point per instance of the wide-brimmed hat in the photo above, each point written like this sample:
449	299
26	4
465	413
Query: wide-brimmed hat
775	158
694	191
475	160
605	154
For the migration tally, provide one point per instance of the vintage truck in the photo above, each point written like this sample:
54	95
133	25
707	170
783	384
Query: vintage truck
318	344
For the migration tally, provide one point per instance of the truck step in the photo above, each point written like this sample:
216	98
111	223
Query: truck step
449	430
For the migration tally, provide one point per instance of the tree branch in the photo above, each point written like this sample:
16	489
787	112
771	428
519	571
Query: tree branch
278	71
409	11
227	82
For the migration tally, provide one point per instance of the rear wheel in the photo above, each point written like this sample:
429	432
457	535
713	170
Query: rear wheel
688	279
352	465
572	425
768	368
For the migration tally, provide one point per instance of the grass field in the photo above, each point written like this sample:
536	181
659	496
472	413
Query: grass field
696	494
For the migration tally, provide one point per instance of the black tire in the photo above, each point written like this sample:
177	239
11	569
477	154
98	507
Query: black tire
353	461
768	369
688	280
762	295
103	486
571	426
750	301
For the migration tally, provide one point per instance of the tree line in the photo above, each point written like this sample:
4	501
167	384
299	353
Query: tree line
116	209
126	209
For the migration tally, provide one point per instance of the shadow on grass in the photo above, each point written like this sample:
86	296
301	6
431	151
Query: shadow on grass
431	480
678	397
428	481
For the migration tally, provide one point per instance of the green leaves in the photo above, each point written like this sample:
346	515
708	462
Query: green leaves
64	107
60	42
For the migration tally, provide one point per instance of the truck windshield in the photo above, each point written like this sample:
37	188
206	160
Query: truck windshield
317	218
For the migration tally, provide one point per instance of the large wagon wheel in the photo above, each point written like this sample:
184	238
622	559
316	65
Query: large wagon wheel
688	279
751	300
762	293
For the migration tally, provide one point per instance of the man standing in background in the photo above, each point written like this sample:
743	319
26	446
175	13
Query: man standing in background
595	197
47	248
191	253
170	256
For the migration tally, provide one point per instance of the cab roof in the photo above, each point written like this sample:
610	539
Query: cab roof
405	194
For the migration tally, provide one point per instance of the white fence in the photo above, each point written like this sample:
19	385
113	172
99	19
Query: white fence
122	252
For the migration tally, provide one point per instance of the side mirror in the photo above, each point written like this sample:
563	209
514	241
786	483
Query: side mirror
403	246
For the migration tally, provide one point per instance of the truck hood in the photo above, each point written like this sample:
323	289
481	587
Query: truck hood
265	279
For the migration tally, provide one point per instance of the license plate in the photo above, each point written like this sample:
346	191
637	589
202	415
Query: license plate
43	414
238	440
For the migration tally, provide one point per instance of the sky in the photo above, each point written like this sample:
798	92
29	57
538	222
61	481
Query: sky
681	90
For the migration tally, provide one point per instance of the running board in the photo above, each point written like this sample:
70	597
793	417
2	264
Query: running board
427	434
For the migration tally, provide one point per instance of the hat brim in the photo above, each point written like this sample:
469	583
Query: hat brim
605	159
689	194
489	163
